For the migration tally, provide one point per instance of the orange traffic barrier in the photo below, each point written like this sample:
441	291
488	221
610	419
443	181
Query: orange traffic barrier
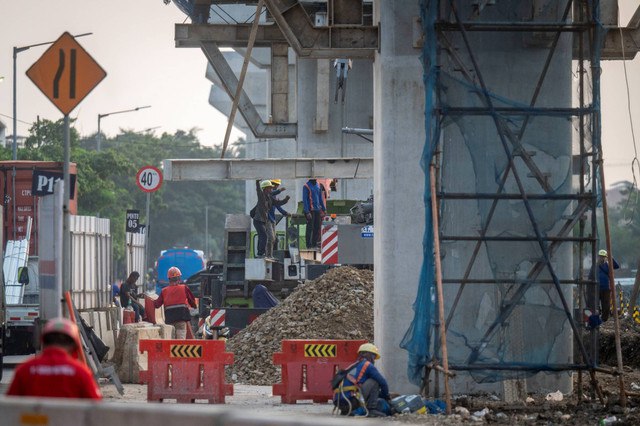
186	370
309	365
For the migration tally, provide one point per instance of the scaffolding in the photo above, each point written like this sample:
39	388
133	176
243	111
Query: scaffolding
533	201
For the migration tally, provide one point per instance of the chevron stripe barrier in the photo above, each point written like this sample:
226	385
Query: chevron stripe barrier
313	350
187	370
308	367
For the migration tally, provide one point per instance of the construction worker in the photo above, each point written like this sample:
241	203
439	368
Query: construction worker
314	210
275	204
603	289
56	372
176	298
361	386
129	295
260	215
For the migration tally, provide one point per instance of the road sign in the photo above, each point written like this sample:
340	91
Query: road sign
66	73
149	179
133	220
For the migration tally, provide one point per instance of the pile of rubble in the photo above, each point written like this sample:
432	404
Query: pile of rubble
338	305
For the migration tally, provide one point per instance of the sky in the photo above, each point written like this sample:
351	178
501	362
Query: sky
133	41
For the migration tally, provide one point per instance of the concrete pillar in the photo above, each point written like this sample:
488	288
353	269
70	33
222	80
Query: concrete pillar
399	137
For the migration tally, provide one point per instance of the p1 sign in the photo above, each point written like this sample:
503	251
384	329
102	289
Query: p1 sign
43	182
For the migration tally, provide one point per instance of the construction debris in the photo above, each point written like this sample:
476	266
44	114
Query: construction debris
338	305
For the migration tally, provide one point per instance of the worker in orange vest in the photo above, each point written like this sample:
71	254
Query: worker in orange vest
176	298
56	372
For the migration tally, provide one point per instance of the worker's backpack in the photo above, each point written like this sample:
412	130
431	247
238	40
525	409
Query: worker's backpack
252	212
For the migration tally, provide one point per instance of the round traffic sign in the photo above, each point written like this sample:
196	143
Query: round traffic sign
149	178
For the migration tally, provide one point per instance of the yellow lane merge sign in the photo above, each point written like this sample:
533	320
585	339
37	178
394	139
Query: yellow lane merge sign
317	351
186	351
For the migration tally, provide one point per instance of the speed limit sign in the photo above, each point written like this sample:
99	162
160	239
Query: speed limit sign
149	178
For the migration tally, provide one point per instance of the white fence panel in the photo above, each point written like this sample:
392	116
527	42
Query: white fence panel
91	261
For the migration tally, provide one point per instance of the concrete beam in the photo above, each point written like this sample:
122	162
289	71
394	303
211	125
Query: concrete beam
280	82
192	35
258	127
357	41
249	169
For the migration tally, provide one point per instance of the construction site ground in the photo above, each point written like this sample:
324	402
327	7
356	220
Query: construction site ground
569	411
324	308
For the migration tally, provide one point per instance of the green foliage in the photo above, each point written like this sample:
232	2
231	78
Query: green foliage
106	185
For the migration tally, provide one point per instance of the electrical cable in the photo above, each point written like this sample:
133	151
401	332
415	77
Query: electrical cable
634	161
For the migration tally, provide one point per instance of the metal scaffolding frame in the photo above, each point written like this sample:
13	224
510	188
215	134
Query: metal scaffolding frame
580	227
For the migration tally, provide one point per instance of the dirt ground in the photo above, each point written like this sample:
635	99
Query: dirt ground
569	411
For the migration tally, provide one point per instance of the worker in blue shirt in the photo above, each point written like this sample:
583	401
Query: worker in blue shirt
362	387
277	189
603	280
314	211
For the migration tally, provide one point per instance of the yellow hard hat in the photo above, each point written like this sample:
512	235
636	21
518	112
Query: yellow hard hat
276	181
265	184
371	348
602	253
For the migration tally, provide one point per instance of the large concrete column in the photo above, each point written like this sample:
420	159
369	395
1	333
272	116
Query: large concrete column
399	136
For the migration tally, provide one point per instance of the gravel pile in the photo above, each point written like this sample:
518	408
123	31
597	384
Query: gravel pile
338	305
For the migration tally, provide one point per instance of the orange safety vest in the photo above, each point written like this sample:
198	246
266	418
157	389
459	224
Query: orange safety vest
175	295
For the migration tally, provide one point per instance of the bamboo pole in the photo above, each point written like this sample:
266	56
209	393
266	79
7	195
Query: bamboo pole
72	317
616	319
443	332
243	73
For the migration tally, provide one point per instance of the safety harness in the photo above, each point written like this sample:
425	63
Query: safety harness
355	387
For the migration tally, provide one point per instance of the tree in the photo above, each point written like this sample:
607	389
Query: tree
107	188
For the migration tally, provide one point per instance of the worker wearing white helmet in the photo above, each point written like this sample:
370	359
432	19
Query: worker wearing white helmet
359	388
603	290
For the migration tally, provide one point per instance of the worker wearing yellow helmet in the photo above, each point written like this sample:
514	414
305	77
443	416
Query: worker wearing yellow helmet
260	215
276	204
604	290
359	389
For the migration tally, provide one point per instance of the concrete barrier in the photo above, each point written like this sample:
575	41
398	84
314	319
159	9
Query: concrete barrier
127	357
65	412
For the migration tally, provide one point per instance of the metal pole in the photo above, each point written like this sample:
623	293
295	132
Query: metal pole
206	231
14	146
98	136
66	242
146	238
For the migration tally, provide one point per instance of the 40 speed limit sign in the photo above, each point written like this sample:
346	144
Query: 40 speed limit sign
149	178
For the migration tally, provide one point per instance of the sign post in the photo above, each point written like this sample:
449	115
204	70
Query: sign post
66	73
148	179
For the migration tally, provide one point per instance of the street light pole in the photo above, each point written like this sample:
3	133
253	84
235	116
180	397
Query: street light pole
101	116
206	231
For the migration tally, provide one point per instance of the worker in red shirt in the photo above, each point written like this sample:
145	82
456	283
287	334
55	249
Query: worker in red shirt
176	298
56	372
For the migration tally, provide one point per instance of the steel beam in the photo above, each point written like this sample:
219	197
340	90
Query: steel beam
284	168
259	128
192	35
357	41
